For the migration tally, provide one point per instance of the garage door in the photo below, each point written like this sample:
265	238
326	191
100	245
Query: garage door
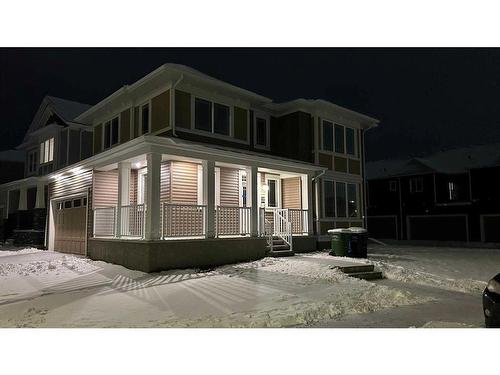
438	227
70	226
489	228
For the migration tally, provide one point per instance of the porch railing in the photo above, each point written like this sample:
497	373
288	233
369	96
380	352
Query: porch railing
282	225
183	220
105	222
133	218
298	219
232	221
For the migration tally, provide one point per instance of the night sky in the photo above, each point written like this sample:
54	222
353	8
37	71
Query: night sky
426	99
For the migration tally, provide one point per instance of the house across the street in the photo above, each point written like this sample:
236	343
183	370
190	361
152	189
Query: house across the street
180	169
451	195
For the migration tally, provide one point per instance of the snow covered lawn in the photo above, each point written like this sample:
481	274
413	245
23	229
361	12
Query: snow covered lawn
48	289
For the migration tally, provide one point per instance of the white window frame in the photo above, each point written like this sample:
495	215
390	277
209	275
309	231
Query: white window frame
419	188
267	118
110	133
324	200
355	141
141	106
212	120
358	199
241	174
141	199
32	164
393	185
47	153
278	190
323	120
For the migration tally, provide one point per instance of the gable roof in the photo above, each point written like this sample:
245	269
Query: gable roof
65	109
453	161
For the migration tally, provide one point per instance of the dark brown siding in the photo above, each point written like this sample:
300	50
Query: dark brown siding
326	160
354	166
125	126
240	123
160	115
74	146
292	136
97	139
340	164
182	109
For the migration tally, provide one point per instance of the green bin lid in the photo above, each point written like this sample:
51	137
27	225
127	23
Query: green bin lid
338	230
357	230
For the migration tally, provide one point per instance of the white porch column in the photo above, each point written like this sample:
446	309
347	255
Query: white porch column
23	198
152	225
307	199
209	196
253	199
40	195
123	193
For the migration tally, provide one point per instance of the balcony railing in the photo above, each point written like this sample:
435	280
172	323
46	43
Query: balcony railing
232	221
183	220
298	219
105	222
133	218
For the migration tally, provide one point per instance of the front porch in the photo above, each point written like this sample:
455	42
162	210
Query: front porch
162	197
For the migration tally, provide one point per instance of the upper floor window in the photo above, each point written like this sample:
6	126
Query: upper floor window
416	185
452	191
350	141
327	136
32	162
329	195
261	132
212	117
47	151
111	132
145	119
339	139
340	195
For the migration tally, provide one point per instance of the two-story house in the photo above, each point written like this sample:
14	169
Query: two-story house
449	196
190	171
53	141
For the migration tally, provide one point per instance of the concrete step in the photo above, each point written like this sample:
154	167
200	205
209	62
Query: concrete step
280	247
373	275
355	268
281	253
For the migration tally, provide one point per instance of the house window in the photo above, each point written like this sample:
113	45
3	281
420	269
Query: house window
111	132
327	136
271	197
392	185
452	191
416	185
350	141
339	139
221	119
352	200
145	119
340	195
203	114
261	132
47	151
329	189
32	162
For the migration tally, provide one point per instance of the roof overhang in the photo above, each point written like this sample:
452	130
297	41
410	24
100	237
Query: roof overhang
175	147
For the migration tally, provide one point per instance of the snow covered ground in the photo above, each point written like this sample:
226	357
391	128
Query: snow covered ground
48	289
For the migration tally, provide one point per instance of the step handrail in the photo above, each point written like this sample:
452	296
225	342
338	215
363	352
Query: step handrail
283	226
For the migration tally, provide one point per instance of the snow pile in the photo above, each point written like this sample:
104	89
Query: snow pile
409	275
29	250
284	312
40	267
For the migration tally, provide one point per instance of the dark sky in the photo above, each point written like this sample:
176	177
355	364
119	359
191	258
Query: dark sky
426	99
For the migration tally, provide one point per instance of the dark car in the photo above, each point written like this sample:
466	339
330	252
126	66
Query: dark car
491	303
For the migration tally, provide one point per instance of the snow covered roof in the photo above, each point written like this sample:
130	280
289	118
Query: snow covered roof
457	160
68	110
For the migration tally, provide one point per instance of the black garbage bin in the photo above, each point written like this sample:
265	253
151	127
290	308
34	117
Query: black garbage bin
359	243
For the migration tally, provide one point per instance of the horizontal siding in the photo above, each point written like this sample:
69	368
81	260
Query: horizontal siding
291	192
165	189
184	177
105	189
70	185
229	187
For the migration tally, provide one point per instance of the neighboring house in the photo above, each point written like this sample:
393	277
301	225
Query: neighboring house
53	141
11	165
190	171
451	196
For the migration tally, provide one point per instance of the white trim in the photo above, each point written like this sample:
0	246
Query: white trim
141	199
276	178
333	152
141	106
217	186
212	119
